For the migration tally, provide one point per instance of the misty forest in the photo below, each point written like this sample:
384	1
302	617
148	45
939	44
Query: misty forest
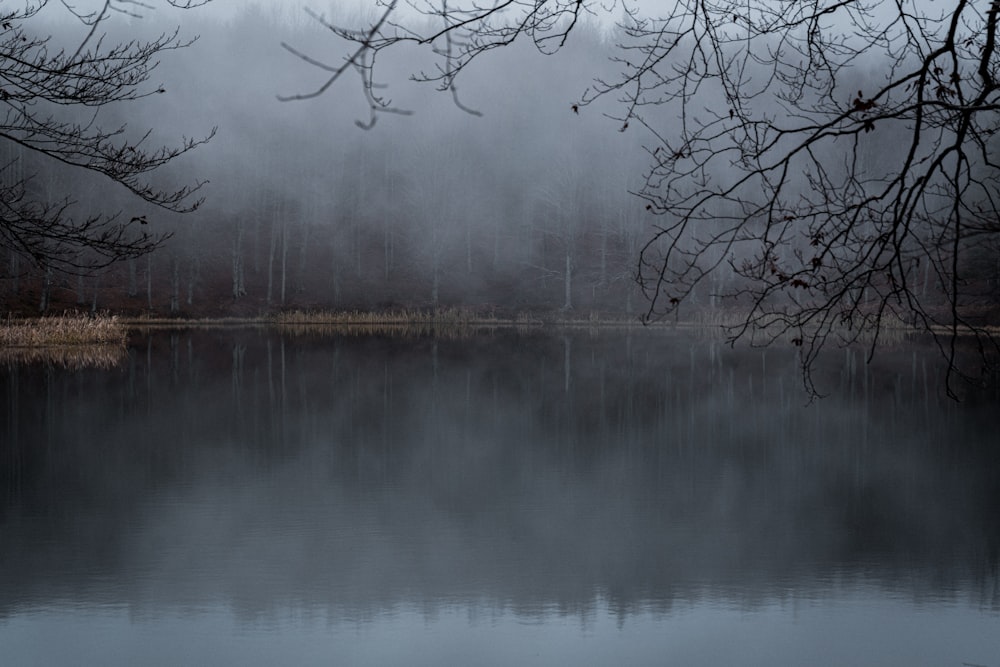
527	207
500	332
621	166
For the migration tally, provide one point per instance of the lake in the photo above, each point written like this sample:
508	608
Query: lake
516	497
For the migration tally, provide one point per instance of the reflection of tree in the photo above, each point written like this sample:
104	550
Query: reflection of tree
522	468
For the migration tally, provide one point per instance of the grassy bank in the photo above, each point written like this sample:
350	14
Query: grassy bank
465	317
75	329
345	318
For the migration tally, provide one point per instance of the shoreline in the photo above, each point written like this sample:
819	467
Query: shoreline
72	329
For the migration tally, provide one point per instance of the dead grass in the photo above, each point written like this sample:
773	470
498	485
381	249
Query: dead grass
444	322
437	316
67	330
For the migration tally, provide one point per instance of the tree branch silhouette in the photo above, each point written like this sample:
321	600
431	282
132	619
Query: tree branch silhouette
51	100
830	163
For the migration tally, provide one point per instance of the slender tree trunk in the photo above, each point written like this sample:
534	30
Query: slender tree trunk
270	262
604	255
436	254
468	248
43	305
238	270
194	271
335	267
387	249
149	281
356	211
15	272
256	242
97	291
284	259
568	281
303	256
436	281
133	283
175	284
81	297
357	244
496	241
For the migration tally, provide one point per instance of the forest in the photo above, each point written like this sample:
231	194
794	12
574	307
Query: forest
514	199
526	207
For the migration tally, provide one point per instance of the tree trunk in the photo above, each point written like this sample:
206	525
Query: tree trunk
496	241
238	270
568	282
387	249
303	256
194	271
133	283
604	254
149	281
284	259
436	281
43	305
15	272
357	244
436	256
468	248
175	284
335	268
270	262
97	290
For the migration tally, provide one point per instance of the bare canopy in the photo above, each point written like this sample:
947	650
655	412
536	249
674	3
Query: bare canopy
52	94
825	167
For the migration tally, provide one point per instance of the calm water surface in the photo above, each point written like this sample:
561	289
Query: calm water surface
578	498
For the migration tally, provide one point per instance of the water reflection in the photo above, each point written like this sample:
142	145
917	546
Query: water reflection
514	475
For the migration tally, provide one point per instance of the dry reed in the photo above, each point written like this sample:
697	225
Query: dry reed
444	322
65	330
437	316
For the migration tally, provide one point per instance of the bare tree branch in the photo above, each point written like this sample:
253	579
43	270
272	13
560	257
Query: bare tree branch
829	163
43	91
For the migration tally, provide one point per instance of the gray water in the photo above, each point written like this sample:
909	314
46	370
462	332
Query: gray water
571	498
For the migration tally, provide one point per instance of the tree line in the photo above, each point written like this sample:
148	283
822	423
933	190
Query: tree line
659	165
304	211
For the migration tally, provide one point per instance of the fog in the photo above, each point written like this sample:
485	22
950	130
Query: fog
457	495
518	471
524	207
526	204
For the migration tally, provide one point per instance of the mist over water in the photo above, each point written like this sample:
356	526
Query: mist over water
568	497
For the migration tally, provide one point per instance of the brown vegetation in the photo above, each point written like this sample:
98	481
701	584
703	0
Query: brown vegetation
67	330
73	357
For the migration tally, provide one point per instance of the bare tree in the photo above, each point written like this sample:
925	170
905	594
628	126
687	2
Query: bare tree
52	94
830	157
